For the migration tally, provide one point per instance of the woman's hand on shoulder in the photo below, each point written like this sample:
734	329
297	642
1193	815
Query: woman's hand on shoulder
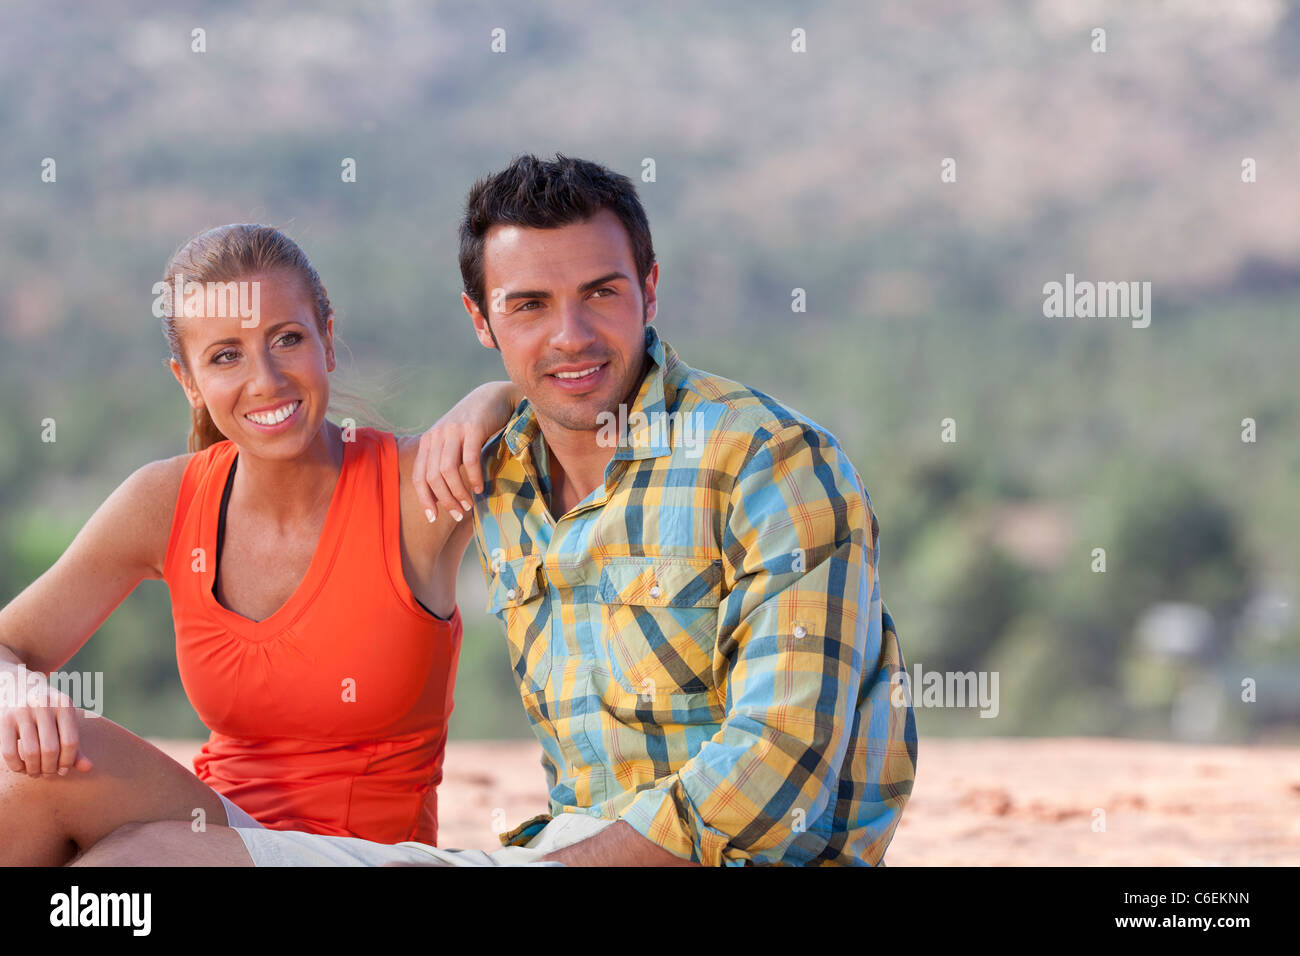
447	468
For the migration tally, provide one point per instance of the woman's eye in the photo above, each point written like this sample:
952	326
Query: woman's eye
219	358
291	338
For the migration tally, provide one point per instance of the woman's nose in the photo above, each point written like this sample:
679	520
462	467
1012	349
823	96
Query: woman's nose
267	375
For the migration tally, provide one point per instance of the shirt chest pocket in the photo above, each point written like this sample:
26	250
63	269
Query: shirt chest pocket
516	595
660	618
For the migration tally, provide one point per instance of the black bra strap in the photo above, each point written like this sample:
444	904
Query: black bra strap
221	522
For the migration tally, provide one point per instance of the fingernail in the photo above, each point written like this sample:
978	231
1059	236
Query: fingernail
63	771
428	513
466	505
478	489
457	515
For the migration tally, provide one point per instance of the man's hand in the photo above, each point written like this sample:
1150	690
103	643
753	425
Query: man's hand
619	844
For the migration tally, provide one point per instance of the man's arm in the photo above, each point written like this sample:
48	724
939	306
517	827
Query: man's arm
801	623
616	845
447	469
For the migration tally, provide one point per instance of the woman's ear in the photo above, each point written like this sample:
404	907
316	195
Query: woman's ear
187	383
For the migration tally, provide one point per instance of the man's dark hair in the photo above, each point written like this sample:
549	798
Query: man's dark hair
541	194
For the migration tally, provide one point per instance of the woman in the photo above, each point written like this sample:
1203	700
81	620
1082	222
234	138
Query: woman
313	594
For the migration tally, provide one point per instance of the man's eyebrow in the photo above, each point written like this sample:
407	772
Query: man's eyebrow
607	277
269	331
585	287
527	294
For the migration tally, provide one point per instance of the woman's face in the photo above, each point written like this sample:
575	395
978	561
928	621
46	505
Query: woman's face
266	387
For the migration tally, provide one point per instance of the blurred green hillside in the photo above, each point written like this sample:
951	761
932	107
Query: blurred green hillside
773	171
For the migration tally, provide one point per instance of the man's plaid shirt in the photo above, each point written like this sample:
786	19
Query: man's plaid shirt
700	644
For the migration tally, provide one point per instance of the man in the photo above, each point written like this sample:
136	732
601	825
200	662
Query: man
686	570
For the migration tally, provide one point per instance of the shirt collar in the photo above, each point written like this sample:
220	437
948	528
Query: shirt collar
643	433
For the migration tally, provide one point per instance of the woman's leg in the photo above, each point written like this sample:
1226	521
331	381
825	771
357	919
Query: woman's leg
46	820
167	844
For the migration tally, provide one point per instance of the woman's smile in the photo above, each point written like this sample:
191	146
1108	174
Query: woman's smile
275	417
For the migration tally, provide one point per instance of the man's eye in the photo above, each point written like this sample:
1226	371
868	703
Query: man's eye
527	304
604	289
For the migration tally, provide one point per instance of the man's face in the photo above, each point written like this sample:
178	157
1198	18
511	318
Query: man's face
568	316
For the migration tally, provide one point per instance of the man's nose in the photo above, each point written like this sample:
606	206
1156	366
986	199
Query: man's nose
574	331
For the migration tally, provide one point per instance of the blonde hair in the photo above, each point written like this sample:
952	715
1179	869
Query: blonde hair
225	254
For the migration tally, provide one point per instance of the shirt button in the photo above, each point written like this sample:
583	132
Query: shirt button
510	595
656	591
799	631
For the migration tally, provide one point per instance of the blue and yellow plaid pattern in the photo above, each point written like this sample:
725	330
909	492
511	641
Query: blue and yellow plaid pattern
701	645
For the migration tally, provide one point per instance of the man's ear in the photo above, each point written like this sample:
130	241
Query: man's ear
481	327
187	384
651	296
329	343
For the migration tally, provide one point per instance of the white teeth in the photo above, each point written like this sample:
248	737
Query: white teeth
583	374
275	417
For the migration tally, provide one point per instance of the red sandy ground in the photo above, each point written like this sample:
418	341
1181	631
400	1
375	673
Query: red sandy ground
990	802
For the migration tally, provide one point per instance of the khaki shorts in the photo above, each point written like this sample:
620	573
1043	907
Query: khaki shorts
292	848
235	817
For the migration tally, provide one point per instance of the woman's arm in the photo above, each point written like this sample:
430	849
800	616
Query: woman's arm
443	465
124	542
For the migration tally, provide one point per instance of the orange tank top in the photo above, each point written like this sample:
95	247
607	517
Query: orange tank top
331	715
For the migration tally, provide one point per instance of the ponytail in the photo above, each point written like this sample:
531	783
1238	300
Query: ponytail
202	430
